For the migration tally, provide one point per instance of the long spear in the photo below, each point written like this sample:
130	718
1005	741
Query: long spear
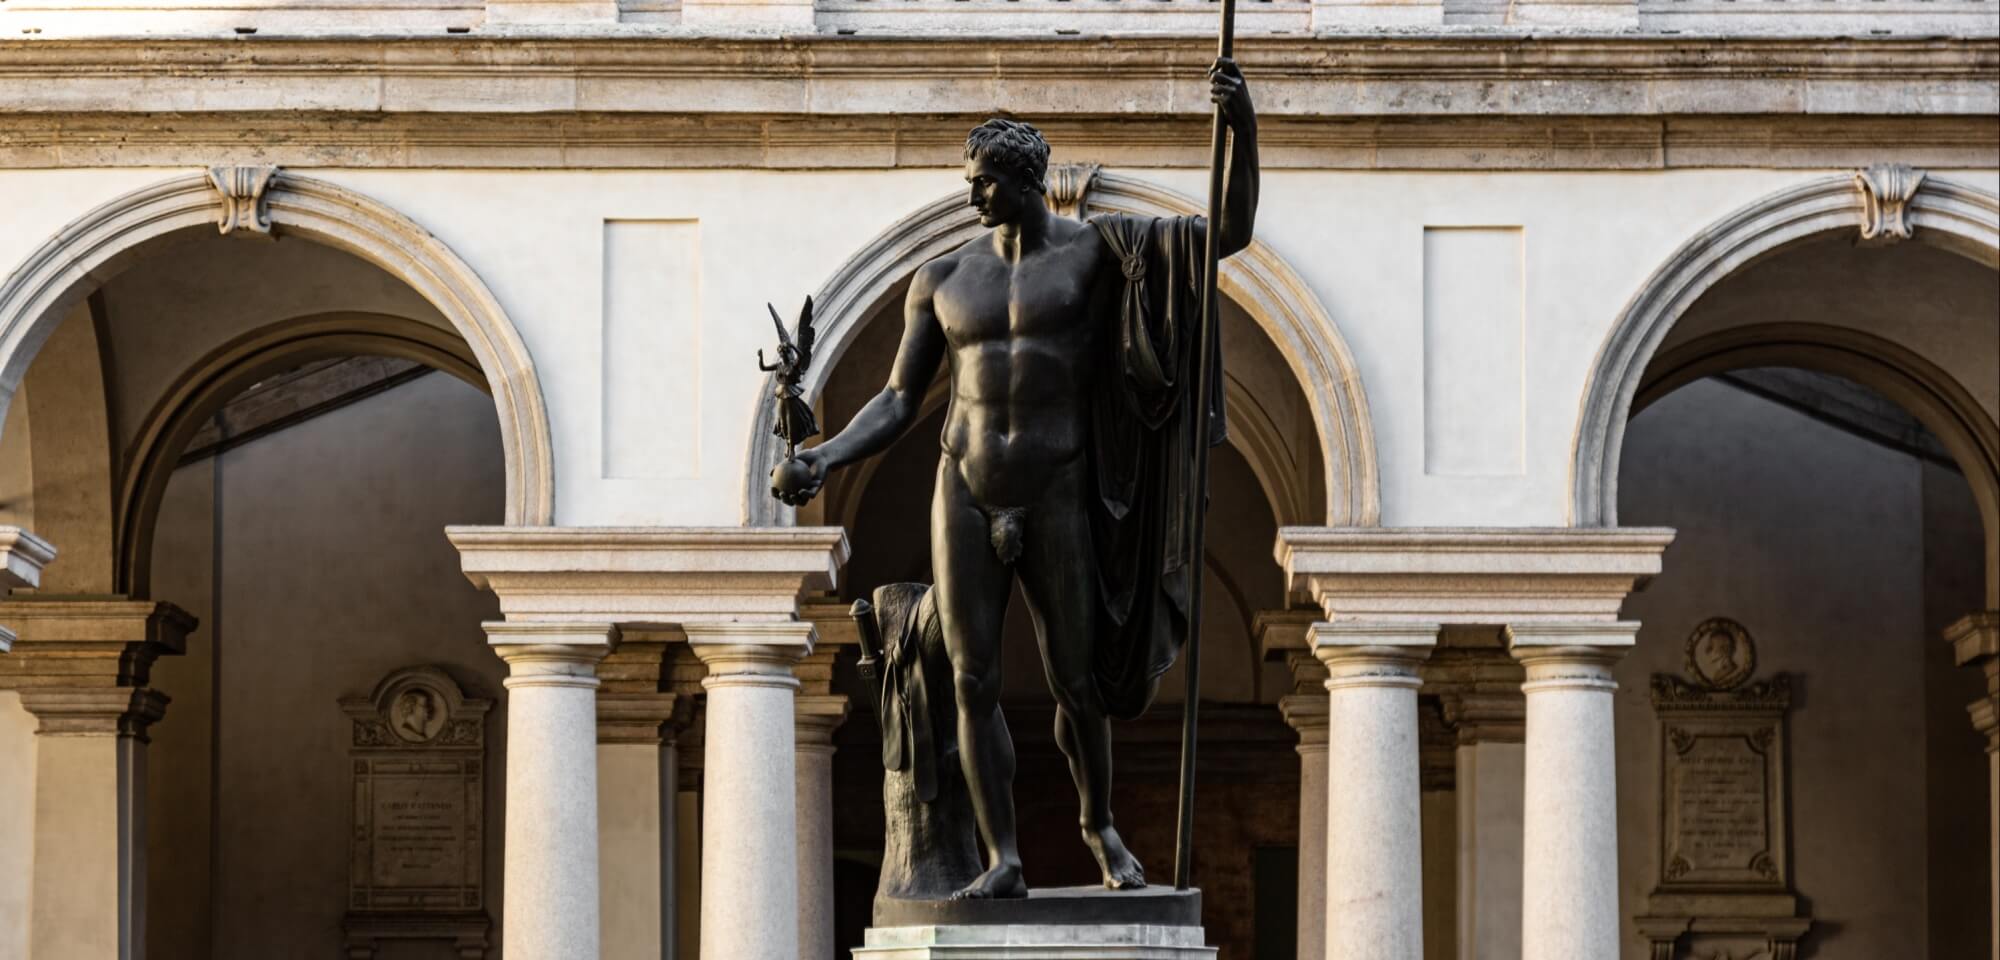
1191	701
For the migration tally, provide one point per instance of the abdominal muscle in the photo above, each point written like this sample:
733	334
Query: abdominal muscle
1008	445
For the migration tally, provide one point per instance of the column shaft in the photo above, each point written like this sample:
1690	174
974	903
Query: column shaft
749	857
1569	833
551	904
1374	826
1307	715
818	717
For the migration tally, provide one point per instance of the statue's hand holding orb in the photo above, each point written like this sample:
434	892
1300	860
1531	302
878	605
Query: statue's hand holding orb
796	480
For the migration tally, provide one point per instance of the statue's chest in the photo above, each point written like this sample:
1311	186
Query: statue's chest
993	301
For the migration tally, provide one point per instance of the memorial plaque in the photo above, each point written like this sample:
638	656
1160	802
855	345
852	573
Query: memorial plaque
1724	886
417	865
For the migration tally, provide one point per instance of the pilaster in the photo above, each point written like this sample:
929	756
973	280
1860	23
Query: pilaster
81	666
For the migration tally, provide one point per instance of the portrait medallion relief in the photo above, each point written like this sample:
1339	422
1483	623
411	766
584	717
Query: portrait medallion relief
1720	654
418	716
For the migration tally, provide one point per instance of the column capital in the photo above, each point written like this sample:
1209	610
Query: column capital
93	641
1975	642
816	717
642	718
1306	713
22	557
1359	654
752	653
1570	655
650	575
551	654
1478	686
95	711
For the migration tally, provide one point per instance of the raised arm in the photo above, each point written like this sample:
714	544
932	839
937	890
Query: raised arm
1239	191
892	412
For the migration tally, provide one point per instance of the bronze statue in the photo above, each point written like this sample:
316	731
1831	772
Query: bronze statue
1068	458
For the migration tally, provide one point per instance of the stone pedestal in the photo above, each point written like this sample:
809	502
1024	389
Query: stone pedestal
1374	819
551	901
1975	642
1073	923
1569	833
82	667
749	857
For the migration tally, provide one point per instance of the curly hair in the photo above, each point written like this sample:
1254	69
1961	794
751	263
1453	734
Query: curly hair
1014	145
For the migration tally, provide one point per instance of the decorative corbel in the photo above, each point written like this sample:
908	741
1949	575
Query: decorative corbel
1069	187
1886	190
242	190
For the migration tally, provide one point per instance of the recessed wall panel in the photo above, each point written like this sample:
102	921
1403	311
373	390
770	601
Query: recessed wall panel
652	349
1474	352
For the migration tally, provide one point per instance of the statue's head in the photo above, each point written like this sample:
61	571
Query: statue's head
1007	164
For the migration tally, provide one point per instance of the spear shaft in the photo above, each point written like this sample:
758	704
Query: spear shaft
1204	392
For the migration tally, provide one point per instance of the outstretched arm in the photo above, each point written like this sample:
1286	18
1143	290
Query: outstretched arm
892	412
1239	191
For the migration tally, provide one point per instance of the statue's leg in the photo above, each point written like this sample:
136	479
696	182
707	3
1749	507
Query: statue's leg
971	595
1058	571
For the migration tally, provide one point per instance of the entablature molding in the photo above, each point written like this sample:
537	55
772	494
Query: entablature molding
650	575
1470	575
1362	74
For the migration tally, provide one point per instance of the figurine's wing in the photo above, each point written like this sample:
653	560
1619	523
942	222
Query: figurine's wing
784	339
806	335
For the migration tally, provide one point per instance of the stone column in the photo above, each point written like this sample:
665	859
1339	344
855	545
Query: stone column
1307	714
749	856
1569	834
1374	853
81	667
551	903
816	719
1975	641
1479	688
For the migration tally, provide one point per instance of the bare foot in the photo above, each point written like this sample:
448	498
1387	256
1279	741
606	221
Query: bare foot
1003	882
1121	870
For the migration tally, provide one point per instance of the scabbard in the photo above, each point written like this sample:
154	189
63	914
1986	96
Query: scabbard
870	665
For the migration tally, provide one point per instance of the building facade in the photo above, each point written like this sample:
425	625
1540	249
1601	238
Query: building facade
1604	563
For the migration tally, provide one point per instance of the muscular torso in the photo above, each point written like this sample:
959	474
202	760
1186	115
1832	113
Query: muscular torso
1022	341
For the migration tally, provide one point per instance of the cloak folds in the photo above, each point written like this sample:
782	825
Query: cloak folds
1142	453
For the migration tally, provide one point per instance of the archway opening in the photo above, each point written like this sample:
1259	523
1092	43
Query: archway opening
1819	427
259	433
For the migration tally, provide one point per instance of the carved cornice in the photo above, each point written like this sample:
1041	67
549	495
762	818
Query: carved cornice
88	642
95	711
575	139
1359	74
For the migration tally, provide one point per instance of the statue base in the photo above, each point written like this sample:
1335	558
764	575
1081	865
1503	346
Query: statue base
1072	923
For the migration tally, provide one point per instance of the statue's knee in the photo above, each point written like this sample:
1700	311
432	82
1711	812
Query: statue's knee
1077	697
978	690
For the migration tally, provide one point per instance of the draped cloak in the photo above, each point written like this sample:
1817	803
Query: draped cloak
1142	446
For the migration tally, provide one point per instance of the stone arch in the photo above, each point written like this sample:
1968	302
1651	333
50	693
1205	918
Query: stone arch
91	249
1930	394
205	387
1954	216
1258	280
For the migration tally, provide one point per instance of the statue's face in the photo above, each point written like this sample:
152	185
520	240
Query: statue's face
998	193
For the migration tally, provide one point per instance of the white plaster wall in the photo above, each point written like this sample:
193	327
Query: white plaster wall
1815	541
334	572
1589	240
